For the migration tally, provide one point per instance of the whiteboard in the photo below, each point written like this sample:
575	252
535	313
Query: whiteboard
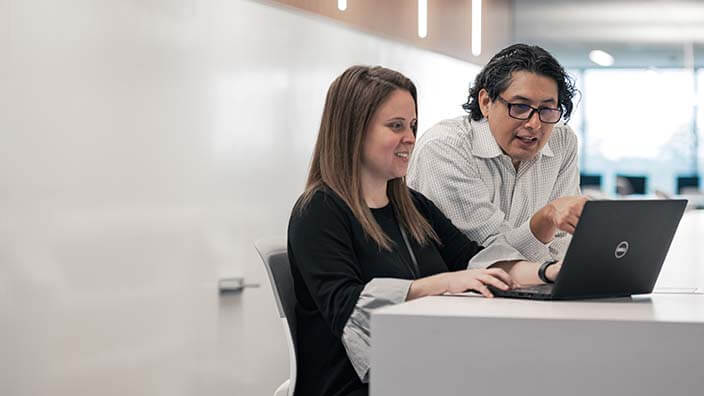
145	145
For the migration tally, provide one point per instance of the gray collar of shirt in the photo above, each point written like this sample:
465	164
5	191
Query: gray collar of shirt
484	145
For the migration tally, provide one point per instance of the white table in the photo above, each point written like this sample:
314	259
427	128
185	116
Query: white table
450	345
648	345
684	264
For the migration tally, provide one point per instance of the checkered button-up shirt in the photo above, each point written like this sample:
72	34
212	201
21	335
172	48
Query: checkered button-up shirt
459	166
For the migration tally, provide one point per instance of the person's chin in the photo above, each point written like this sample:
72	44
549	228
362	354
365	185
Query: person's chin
399	174
523	155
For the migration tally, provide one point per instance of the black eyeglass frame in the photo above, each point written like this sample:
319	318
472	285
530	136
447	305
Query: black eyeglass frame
509	105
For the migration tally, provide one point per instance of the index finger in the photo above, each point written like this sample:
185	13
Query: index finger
578	207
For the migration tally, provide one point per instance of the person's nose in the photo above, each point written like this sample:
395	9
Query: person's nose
534	121
409	137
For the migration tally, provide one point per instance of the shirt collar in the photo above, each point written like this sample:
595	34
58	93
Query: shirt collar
484	145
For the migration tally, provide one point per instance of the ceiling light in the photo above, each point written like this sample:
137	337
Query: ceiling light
601	58
422	18
476	27
341	5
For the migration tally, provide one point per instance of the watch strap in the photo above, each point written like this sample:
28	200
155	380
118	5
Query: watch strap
543	269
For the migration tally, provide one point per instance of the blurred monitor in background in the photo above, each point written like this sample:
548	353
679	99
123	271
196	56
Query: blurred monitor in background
688	185
588	182
630	185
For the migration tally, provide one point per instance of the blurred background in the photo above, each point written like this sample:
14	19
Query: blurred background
146	144
638	65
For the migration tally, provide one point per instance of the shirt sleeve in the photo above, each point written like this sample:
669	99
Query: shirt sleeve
523	239
498	251
567	184
446	173
320	239
356	337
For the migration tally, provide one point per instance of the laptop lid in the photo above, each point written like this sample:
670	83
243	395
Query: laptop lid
618	248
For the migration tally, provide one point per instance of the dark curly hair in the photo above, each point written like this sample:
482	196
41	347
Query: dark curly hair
495	77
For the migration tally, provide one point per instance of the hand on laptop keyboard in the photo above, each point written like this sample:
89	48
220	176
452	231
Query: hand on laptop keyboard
478	280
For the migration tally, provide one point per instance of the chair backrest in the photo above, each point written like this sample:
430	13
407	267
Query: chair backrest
274	254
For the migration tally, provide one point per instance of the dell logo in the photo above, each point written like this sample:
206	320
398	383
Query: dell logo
621	249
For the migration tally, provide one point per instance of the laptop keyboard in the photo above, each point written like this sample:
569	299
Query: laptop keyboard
537	289
529	291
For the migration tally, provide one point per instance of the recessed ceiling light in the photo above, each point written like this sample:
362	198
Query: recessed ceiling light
601	58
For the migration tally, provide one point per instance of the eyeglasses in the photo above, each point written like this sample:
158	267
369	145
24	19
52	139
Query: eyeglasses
522	111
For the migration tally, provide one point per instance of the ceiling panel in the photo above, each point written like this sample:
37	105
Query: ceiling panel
651	33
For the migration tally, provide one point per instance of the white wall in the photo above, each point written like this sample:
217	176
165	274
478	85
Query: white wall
145	145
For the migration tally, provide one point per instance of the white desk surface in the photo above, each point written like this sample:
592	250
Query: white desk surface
684	264
672	308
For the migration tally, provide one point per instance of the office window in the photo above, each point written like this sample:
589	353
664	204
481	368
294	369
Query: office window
639	122
575	121
700	119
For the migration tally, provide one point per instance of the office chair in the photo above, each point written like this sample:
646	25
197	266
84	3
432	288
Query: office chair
687	184
275	257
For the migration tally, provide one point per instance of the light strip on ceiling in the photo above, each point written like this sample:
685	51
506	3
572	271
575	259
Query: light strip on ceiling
422	18
476	27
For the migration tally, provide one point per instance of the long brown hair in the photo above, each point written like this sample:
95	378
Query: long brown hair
352	100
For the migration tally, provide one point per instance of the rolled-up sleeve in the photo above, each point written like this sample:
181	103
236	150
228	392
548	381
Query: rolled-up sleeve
522	238
356	337
558	247
496	252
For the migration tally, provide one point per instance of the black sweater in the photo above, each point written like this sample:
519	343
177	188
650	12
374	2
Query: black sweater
332	259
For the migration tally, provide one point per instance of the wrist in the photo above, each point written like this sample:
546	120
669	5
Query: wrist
429	286
552	271
541	225
443	283
543	271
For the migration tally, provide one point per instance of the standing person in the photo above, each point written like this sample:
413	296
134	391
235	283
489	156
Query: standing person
507	172
358	238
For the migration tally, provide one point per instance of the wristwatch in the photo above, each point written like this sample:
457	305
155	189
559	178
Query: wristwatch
543	268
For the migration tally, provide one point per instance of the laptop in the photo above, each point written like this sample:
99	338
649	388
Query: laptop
617	250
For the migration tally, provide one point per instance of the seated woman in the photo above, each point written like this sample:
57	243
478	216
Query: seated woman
359	239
